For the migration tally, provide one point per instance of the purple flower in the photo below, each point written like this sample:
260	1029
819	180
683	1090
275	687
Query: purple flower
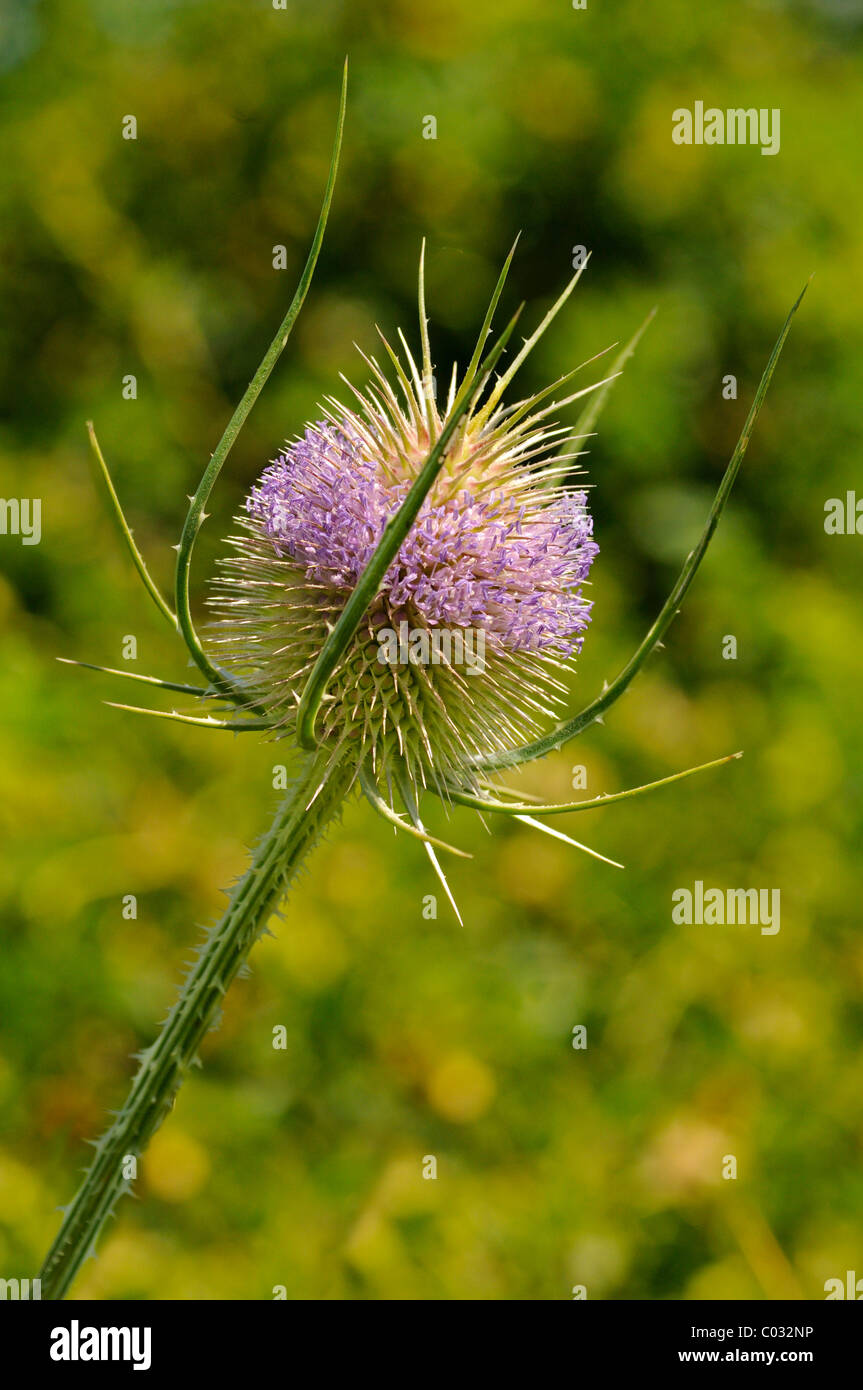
470	561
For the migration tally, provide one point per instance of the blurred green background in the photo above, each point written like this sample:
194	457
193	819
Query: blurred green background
409	1037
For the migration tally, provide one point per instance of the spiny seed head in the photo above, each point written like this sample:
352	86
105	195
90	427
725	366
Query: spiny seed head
461	652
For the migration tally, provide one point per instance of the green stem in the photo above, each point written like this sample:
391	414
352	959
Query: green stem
315	798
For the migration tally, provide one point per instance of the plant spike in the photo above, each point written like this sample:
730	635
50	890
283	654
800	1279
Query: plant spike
394	533
567	840
174	686
529	344
195	515
527	406
484	331
427	372
591	412
570	728
494	789
385	810
407	794
125	531
237	726
514	808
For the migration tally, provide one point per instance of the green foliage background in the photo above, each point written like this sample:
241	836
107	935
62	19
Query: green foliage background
409	1037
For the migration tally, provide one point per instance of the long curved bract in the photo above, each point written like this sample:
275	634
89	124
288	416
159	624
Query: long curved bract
196	513
516	808
570	728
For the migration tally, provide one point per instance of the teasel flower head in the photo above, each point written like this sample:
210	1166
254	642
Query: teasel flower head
463	649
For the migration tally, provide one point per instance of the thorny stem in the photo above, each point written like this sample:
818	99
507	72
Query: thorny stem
314	800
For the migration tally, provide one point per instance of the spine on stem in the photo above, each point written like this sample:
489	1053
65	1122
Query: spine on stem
313	801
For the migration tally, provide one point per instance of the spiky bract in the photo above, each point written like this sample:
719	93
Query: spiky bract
499	556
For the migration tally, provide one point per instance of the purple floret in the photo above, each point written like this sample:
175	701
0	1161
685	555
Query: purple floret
472	561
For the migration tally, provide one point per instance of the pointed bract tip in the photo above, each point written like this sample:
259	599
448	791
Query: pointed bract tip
798	301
